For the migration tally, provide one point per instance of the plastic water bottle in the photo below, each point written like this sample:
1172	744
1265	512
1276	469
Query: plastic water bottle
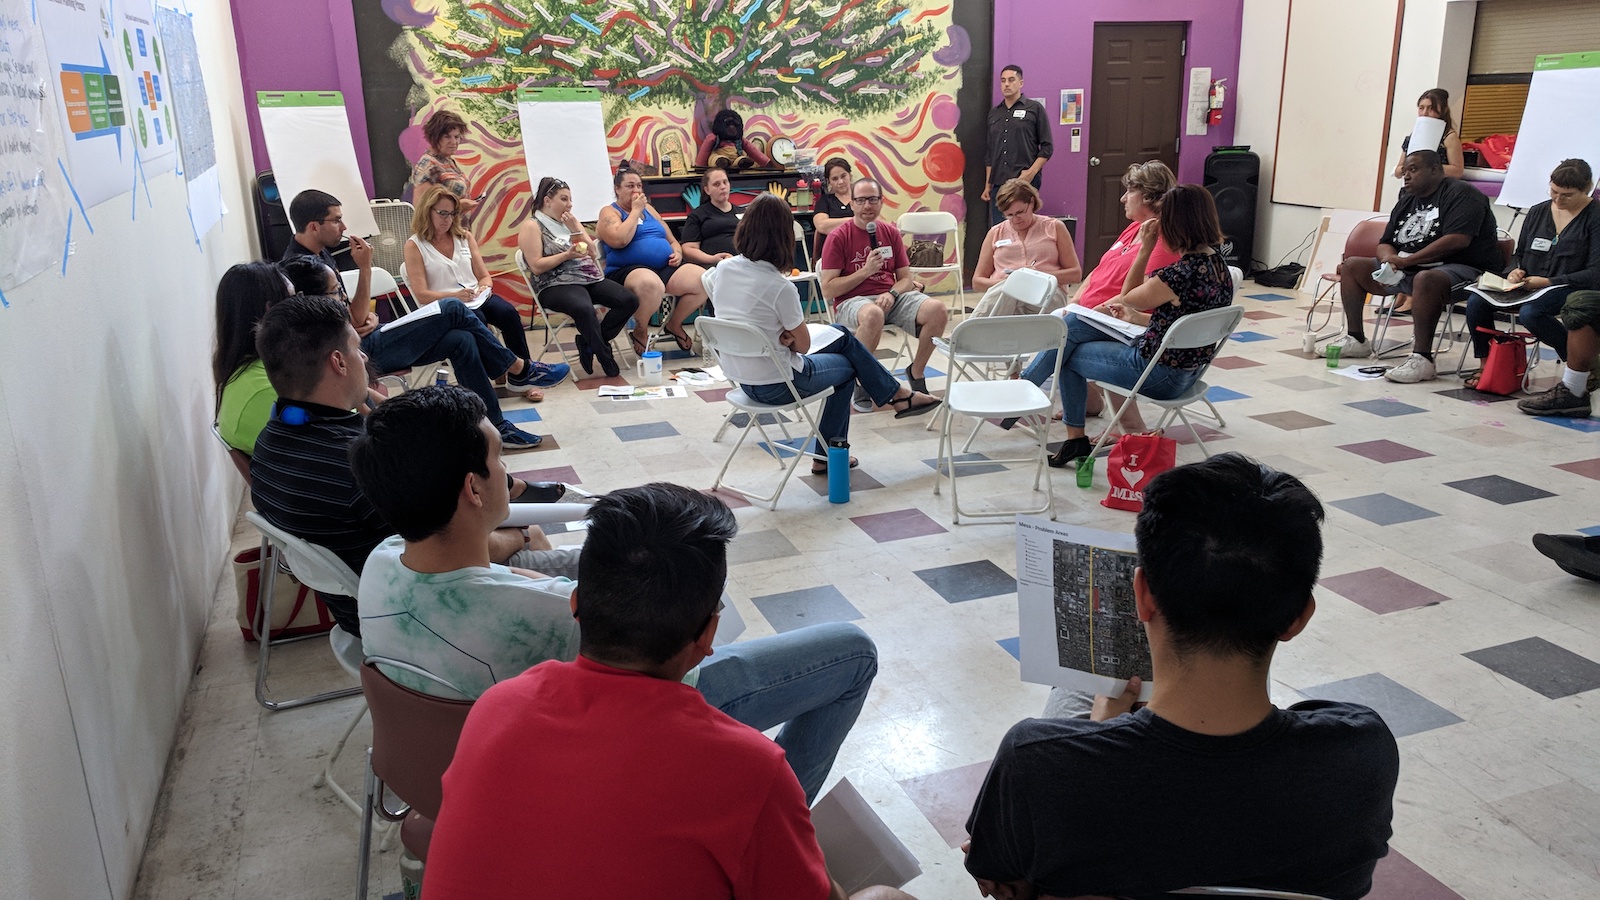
838	471
442	378
410	876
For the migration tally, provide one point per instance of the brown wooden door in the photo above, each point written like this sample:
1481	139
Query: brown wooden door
1135	114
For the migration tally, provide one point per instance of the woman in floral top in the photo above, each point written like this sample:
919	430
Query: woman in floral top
444	130
1198	281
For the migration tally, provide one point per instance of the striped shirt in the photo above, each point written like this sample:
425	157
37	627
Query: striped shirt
300	481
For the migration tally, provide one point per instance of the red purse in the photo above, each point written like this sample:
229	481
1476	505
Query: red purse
1134	461
1507	364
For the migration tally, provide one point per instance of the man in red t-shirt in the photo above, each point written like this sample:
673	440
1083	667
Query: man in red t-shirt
608	776
867	276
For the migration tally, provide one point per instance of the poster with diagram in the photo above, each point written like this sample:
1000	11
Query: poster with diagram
33	195
145	84
91	103
191	117
1077	623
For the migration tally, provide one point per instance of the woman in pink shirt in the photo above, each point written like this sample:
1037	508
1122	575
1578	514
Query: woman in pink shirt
1025	240
1142	188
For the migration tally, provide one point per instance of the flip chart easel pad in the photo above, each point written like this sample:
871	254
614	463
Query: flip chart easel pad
309	145
1558	123
564	136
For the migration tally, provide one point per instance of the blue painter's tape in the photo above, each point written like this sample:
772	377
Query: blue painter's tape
4	303
66	247
74	190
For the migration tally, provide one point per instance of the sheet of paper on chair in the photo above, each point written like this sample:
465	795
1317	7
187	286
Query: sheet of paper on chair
822	336
860	849
1117	328
629	392
1077	623
422	312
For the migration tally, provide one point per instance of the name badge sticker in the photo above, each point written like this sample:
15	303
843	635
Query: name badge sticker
1541	244
1004	242
1019	114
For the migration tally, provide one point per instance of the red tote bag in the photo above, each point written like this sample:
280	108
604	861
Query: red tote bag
1507	364
1134	461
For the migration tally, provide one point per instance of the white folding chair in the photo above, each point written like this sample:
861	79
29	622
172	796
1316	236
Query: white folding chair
552	331
736	339
317	568
999	336
931	222
808	276
1201	329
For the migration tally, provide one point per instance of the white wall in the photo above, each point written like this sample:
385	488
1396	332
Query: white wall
1435	44
117	508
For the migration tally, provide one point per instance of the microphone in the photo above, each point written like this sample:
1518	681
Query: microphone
872	234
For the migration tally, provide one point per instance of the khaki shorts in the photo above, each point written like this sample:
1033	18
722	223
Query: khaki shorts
1581	309
903	315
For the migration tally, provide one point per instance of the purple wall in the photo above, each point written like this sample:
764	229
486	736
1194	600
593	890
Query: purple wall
301	45
1053	42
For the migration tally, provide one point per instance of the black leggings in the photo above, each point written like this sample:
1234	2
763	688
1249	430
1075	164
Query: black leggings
579	301
502	315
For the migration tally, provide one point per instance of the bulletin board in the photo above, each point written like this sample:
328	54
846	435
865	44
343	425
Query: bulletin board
1338	90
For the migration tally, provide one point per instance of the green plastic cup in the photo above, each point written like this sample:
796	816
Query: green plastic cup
1333	356
1086	472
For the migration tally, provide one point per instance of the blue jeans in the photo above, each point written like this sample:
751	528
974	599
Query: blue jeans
454	334
813	681
1093	355
1538	316
845	361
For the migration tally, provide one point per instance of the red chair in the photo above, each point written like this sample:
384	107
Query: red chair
413	741
1361	241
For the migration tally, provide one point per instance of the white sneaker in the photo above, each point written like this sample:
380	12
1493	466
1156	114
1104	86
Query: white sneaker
861	401
1350	348
1416	368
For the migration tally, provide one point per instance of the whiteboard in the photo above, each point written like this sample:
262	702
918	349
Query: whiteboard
1558	123
564	136
310	147
1333	119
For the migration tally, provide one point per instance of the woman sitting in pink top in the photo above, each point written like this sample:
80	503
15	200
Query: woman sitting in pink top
1023	240
1142	188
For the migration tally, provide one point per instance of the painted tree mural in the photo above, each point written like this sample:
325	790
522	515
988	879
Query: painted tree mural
871	80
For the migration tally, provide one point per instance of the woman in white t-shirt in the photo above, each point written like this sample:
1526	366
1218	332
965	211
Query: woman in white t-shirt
442	260
751	288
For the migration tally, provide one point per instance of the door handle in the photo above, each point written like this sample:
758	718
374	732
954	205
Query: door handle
1094	160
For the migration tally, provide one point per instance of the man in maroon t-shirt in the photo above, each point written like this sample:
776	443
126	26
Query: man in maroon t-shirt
867	276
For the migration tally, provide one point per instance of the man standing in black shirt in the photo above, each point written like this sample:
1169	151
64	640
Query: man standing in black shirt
1019	140
1441	234
1209	784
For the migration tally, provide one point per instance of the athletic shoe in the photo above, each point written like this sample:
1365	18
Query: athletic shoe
1350	348
1574	553
862	401
514	438
538	374
1416	368
1593	384
1558	401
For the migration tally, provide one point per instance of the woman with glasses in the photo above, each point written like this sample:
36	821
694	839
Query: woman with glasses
564	271
444	130
1024	240
643	256
446	257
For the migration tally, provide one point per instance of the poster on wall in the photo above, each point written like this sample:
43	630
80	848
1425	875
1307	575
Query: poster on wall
146	85
191	118
33	195
877	86
91	101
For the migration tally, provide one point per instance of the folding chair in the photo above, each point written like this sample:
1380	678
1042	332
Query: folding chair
414	738
552	332
999	336
1030	289
1361	241
809	282
943	224
736	339
317	568
383	287
1201	329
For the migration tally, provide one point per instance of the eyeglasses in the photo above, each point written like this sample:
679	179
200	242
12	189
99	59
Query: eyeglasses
336	220
556	184
867	200
714	613
446	213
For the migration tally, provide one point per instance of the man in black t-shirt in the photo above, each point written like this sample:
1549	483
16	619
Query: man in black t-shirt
1208	784
1441	234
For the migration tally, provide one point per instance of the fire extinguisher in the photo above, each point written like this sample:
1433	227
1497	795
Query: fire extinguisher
1214	100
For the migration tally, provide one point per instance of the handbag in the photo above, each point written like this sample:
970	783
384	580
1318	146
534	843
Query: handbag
296	609
1507	363
1134	461
926	254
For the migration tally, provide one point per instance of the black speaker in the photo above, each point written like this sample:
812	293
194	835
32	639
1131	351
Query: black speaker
272	217
1232	176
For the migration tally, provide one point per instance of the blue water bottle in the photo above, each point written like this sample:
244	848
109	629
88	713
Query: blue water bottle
441	377
838	471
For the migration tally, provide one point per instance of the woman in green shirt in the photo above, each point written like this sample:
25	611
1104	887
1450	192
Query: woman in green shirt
244	397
